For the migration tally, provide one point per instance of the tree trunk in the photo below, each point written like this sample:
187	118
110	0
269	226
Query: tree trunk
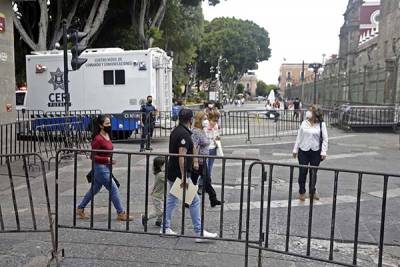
161	10
57	24
24	35
43	25
96	21
58	34
142	16
92	13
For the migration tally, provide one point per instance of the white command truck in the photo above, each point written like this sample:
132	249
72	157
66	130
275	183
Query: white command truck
112	80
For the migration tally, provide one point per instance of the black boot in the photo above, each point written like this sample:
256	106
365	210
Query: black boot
215	202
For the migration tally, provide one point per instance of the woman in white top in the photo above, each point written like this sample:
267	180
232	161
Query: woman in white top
310	148
212	133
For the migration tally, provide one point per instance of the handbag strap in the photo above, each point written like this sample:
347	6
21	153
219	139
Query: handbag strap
321	138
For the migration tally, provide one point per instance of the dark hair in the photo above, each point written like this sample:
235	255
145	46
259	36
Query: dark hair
318	112
97	122
158	162
185	115
149	96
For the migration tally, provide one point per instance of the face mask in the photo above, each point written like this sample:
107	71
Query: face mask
309	114
210	105
150	101
107	129
162	168
205	123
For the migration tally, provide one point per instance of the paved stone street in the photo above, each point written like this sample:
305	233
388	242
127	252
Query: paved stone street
376	152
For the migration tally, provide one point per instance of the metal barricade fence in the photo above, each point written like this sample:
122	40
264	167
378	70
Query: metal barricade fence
13	139
249	123
368	117
24	201
275	230
261	123
51	137
234	123
36	130
137	181
27	114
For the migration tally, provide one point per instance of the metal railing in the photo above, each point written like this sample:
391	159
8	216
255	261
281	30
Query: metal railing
64	207
13	141
368	117
44	135
270	170
51	137
24	202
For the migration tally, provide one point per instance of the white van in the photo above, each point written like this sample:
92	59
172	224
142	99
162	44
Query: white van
112	80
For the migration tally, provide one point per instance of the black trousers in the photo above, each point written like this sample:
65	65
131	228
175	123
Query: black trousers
204	173
312	158
147	134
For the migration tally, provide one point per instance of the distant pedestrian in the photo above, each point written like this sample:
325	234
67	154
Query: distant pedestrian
148	119
296	107
212	132
180	142
285	104
271	110
157	193
310	148
178	105
211	108
102	161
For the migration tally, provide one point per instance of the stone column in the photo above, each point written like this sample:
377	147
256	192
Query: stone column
7	67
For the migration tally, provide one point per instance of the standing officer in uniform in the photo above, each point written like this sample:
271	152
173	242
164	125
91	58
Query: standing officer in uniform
148	112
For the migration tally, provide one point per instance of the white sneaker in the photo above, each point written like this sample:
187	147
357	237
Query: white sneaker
206	234
168	231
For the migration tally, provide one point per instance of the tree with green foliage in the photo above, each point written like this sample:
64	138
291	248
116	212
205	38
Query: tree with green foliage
38	23
147	17
181	33
239	88
242	43
262	89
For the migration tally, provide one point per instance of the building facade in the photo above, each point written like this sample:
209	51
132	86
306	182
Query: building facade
7	68
290	75
366	70
249	81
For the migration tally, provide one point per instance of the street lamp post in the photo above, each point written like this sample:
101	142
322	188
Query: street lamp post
218	75
212	71
315	67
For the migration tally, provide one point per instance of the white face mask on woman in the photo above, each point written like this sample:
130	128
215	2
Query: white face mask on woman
309	114
205	123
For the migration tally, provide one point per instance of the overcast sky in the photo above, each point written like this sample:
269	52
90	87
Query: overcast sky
298	29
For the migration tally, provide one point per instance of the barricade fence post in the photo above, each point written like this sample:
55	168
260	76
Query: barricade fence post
284	248
19	195
133	158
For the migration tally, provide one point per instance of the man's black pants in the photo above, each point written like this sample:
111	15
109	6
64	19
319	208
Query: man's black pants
312	158
147	134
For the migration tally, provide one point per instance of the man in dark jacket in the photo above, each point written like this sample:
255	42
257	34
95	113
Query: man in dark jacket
148	119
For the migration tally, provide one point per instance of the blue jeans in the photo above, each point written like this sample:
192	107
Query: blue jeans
194	210
102	178
211	152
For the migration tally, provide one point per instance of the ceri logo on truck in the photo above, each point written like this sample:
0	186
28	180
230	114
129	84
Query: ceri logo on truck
57	99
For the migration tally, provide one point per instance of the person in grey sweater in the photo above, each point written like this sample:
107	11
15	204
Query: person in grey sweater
201	143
